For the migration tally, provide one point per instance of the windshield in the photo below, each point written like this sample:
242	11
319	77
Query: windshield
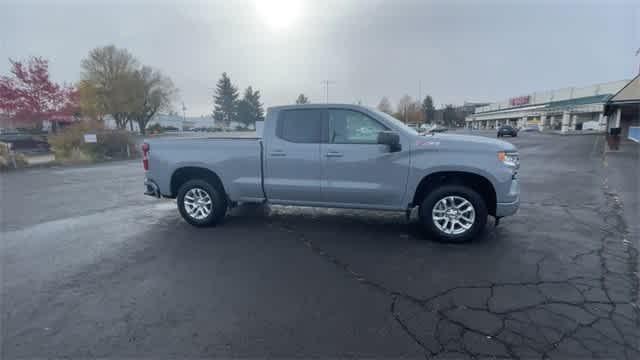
394	121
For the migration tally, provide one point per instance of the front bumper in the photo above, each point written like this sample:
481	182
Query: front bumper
151	188
506	209
510	208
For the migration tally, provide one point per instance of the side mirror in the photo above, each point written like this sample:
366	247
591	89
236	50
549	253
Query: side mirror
391	139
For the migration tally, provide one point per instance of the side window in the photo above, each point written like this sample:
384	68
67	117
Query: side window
300	126
353	127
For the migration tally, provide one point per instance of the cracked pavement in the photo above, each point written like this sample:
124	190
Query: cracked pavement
117	275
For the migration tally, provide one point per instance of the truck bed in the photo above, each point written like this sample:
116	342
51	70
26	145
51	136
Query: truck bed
237	160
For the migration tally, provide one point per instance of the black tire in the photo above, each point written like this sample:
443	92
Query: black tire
219	203
464	192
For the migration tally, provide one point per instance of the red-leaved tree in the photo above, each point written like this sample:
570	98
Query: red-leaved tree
28	96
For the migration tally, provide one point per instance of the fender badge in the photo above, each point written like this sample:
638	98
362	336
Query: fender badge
427	143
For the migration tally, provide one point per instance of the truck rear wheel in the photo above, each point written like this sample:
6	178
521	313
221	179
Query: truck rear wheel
200	203
453	213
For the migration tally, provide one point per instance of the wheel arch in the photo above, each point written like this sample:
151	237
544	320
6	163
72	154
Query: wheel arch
186	173
479	183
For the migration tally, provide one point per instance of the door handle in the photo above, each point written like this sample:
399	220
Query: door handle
333	154
278	153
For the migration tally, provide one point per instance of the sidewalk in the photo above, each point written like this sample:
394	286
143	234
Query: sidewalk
623	173
574	132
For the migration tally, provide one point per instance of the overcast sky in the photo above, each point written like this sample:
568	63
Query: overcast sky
458	50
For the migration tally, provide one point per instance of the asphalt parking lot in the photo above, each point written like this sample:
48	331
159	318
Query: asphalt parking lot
93	268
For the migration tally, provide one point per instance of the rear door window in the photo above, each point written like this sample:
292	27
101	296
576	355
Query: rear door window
300	126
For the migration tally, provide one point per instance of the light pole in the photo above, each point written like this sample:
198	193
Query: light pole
326	84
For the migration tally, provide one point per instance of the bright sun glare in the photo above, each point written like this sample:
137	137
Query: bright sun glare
279	14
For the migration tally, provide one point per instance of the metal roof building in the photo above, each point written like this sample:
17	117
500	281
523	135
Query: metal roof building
622	111
566	109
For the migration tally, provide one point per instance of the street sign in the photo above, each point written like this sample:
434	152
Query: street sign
520	100
90	138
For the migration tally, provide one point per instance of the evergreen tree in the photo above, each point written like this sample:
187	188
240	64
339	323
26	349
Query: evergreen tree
225	101
250	109
256	105
302	99
428	109
449	116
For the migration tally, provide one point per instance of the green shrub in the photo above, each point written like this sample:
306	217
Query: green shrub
5	158
4	162
69	145
114	144
70	138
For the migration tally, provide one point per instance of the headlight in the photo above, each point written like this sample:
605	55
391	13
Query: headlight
509	158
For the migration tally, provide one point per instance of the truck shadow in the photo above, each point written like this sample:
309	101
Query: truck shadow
342	223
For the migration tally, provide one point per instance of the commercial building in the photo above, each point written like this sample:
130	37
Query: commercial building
622	111
566	110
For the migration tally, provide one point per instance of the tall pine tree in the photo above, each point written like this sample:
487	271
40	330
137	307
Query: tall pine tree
429	110
225	101
250	109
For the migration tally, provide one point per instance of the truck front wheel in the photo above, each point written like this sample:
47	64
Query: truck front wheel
453	213
200	203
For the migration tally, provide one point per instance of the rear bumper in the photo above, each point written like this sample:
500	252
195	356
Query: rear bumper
151	188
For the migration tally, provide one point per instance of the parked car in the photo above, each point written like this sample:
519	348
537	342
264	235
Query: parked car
507	130
437	129
25	143
344	156
530	128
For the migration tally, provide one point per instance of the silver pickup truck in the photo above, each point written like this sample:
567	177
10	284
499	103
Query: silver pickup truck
341	156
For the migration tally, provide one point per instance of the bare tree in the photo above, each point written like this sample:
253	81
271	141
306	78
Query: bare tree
409	110
385	105
152	92
107	76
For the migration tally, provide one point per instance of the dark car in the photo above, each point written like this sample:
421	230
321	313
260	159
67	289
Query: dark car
25	143
438	129
507	130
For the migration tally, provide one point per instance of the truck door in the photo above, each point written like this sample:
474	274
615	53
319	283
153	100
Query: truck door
292	156
358	170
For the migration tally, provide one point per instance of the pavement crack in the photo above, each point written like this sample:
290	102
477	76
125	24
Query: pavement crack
548	317
408	331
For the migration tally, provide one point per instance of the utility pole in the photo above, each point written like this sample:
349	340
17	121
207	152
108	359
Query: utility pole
184	116
638	53
326	84
419	101
405	113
